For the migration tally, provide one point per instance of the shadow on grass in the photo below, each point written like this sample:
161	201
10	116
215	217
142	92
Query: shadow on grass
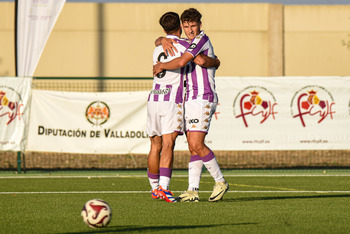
121	229
244	199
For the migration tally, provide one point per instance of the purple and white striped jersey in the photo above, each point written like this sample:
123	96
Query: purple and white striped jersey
200	80
168	85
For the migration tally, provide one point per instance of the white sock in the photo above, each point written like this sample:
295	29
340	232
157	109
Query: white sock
165	176
194	172
213	167
153	180
164	181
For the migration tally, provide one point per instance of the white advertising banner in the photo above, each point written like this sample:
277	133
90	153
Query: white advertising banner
92	123
35	21
280	113
253	113
14	112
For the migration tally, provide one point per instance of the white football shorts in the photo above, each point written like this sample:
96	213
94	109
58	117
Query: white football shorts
198	115
164	118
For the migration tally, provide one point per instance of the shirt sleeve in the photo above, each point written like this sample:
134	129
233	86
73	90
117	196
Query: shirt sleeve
198	45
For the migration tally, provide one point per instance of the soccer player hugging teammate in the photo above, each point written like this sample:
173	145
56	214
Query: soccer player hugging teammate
165	109
164	113
200	104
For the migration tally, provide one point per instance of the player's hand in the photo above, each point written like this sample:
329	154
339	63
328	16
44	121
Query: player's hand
168	46
200	60
218	63
157	68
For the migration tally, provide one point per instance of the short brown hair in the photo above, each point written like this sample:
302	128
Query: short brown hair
191	15
170	22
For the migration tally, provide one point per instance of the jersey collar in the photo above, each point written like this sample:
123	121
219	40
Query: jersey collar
172	36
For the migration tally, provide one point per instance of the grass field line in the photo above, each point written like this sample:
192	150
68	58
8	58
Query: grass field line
133	192
143	176
251	186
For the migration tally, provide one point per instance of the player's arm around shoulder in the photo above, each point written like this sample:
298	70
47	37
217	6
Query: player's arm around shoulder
167	44
205	61
173	64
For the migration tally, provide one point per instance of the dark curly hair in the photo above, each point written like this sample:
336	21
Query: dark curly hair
191	15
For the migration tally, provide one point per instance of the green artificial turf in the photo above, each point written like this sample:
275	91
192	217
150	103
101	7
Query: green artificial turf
297	203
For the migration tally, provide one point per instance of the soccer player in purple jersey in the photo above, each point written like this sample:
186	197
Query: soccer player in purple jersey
165	110
200	105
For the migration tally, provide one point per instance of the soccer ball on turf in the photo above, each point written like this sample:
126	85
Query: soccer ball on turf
96	213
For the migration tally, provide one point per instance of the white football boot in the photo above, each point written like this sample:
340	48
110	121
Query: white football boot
188	196
220	188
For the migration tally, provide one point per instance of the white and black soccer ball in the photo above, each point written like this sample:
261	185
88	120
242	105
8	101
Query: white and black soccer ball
96	213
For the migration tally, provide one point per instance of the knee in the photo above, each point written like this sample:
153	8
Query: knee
196	147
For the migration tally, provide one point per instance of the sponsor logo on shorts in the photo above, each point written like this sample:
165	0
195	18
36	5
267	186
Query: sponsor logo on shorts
193	121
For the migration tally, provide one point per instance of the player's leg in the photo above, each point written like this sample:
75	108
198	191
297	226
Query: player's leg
196	142
198	124
172	125
166	165
153	164
166	160
154	131
194	175
195	165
